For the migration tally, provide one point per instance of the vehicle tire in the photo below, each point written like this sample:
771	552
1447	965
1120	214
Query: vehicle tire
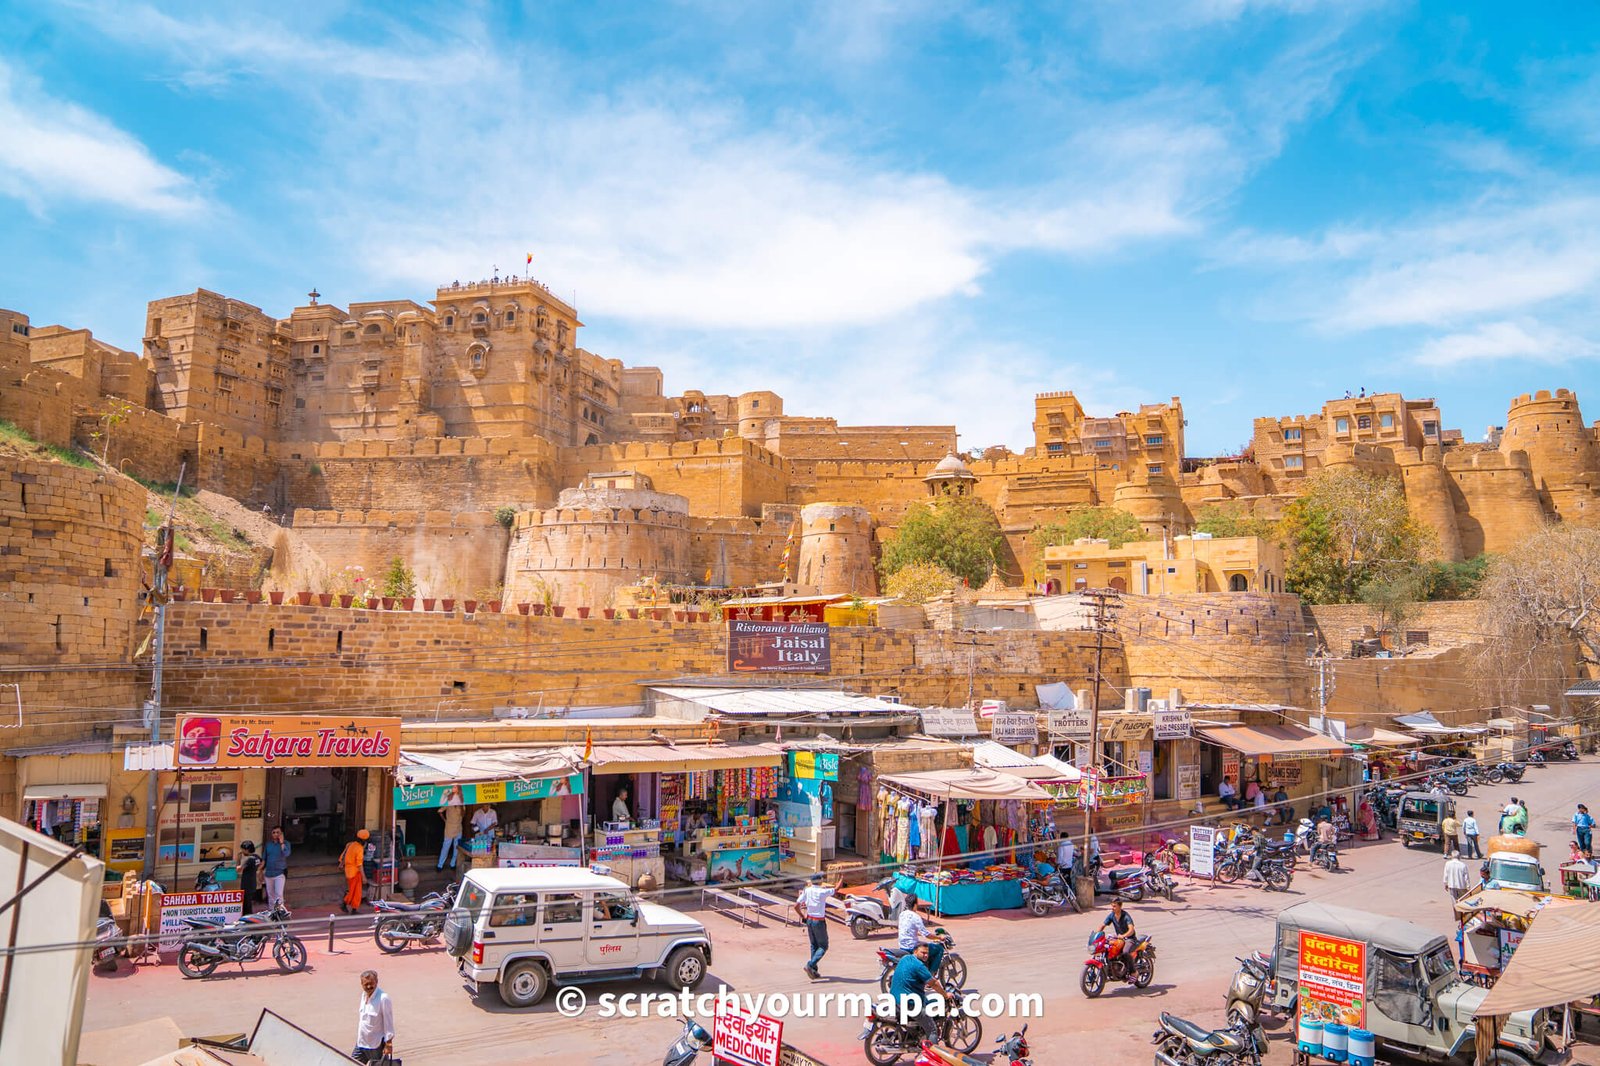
1144	971
524	983
884	1045
1229	872
686	968
860	928
290	954
1092	981
1504	1056
1039	907
1134	894
964	1033
192	963
1278	879
1072	897
1460	790
383	935
884	978
953	970
1496	776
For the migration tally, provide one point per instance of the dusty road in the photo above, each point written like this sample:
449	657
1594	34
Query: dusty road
1197	937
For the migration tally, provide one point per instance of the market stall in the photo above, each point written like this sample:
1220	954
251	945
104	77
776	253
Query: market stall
694	813
962	811
1489	927
527	801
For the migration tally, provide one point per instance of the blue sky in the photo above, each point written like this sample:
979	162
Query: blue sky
886	210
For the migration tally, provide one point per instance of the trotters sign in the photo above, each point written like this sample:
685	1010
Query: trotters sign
747	1039
778	647
283	740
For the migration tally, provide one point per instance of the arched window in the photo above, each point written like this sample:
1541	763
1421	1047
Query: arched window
479	318
511	316
349	334
449	321
374	328
1238	583
316	349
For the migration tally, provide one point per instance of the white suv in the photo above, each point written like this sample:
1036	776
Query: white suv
522	929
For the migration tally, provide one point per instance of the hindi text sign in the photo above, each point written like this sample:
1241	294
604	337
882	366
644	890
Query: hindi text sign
948	722
1333	979
1016	727
744	1038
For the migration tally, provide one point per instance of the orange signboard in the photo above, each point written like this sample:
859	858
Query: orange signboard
217	741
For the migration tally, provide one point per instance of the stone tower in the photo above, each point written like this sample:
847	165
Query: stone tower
1562	457
1155	501
1431	498
836	549
595	541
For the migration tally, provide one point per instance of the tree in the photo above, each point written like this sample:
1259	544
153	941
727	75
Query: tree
959	533
1348	529
1544	597
1223	521
1457	581
919	583
399	582
1100	523
1394	596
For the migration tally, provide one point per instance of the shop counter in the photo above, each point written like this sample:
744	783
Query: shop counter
971	897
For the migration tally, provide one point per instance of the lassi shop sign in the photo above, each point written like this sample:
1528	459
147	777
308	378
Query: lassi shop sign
778	647
229	741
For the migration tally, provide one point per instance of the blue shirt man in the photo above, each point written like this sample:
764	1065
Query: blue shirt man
1583	828
909	986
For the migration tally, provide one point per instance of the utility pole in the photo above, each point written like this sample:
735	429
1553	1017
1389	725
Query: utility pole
972	662
165	541
1102	601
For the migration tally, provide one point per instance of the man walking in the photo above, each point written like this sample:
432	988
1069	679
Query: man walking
812	907
275	866
249	867
1450	831
1455	876
1583	828
451	813
374	1022
1469	833
351	861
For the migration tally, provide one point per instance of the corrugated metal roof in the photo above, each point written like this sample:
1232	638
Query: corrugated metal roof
81	747
783	701
1558	961
147	757
1257	740
1584	688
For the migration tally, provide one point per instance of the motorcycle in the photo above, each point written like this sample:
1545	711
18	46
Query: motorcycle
1249	989
1125	883
1129	959
887	1038
396	925
1325	856
952	970
206	880
1157	864
107	948
1182	1043
1536	757
1013	1047
1445	783
1506	771
688	1046
1568	750
867	914
1048	893
211	942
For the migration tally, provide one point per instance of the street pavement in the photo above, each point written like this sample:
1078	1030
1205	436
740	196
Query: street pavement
1197	938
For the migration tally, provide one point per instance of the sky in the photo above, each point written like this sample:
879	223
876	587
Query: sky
888	211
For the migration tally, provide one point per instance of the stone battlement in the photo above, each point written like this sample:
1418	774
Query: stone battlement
307	517
631	452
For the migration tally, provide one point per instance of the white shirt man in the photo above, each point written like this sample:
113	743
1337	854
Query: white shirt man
484	819
913	930
1456	878
619	809
814	900
1066	855
374	1021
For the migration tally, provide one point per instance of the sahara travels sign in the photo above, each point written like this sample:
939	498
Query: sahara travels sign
1333	979
778	647
248	740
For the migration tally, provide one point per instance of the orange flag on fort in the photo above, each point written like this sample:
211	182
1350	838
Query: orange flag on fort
530	258
588	743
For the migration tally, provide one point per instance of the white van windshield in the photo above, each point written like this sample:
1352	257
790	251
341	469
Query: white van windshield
471	901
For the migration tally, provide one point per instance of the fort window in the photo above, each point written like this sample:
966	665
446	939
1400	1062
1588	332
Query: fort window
1155	468
1341	425
1291	434
511	316
272	638
1154	441
1363	421
205	637
109	571
338	641
458	686
1386	421
372	329
155	327
1430	429
479	319
1055	447
349	334
449	321
1238	583
1294	462
316	349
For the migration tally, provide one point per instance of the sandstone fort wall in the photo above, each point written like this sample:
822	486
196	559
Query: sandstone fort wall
455	555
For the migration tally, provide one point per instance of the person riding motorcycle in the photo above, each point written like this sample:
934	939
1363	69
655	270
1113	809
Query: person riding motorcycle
914	932
913	980
1121	923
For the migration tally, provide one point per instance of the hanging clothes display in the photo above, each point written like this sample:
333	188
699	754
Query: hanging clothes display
927	813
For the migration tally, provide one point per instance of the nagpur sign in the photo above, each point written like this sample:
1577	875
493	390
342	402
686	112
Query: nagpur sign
778	647
234	741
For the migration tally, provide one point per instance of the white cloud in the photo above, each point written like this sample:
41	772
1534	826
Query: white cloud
1522	339
52	150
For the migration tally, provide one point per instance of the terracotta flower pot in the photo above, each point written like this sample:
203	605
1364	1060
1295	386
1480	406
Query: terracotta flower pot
345	600
407	602
180	594
524	608
324	599
494	606
538	610
633	612
583	612
680	616
209	595
228	595
428	602
276	598
470	606
303	598
387	601
447	604
252	595
558	610
608	612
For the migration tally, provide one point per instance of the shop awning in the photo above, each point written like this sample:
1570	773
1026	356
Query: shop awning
56	792
1258	740
993	756
1522	905
681	759
1423	722
1370	736
971	785
484	764
782	702
1557	962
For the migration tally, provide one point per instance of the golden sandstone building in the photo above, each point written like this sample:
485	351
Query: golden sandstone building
473	437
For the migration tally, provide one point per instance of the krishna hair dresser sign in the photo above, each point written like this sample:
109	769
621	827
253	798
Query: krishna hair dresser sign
233	741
